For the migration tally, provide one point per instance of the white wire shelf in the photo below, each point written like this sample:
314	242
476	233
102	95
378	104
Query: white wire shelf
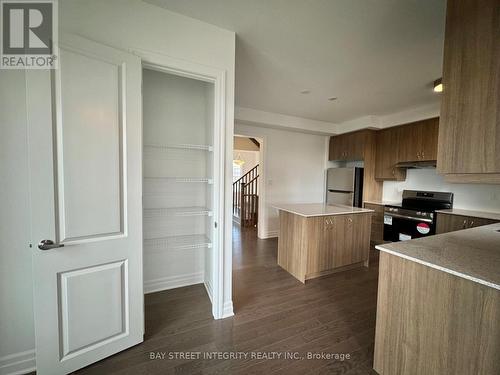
195	241
202	180
176	212
181	146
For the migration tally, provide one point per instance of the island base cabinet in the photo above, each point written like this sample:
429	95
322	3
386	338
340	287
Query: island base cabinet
346	239
310	247
431	322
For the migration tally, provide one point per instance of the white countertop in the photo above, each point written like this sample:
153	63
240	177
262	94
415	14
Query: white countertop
320	209
471	213
473	254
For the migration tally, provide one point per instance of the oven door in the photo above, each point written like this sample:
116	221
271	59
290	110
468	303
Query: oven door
402	228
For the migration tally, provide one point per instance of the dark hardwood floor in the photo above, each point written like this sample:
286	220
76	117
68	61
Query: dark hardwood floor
273	313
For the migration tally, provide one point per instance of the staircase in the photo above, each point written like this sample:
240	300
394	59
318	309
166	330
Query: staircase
246	198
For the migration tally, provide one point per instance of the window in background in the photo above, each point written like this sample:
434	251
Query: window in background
237	170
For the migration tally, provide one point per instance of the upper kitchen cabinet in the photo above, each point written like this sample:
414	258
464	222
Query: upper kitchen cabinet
387	155
419	141
336	150
359	145
414	142
349	146
469	131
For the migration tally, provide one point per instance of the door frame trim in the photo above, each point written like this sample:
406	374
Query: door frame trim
168	64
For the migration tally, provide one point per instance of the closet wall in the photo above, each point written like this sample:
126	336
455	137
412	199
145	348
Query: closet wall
178	185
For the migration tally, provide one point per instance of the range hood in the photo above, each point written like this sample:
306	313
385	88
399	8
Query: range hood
416	164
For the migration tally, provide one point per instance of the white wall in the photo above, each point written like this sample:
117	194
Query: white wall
293	170
17	339
124	24
467	196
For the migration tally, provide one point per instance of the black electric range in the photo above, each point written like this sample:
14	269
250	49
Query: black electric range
415	217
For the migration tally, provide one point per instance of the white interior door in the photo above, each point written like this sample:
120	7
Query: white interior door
85	144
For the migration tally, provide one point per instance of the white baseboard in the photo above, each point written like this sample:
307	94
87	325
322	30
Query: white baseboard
227	309
172	282
18	363
208	287
270	234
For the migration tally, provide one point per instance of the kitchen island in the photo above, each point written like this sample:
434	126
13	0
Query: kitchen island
438	307
318	239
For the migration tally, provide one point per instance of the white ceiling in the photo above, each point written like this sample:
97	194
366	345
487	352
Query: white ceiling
377	56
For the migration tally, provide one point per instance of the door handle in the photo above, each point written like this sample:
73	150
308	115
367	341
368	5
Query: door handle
49	244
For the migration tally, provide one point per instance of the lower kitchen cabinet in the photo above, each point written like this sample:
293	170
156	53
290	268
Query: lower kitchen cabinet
342	242
452	222
310	247
377	231
353	239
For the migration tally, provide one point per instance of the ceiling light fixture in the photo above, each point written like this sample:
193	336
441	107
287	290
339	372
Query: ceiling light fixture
438	85
239	161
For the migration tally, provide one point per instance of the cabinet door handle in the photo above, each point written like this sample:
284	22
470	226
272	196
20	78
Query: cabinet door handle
464	224
422	155
418	155
349	219
471	224
393	171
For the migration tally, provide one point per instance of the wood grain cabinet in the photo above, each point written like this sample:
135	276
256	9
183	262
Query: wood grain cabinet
337	148
469	131
310	247
412	142
377	231
450	222
360	145
349	146
352	240
418	141
387	156
344	241
432	322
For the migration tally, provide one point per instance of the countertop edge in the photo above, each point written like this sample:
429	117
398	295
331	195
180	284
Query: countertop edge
366	211
381	203
471	213
440	268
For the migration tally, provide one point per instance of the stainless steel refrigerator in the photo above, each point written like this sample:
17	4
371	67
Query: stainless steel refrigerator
344	186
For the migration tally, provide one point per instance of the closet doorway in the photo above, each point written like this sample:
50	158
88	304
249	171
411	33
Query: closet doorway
181	183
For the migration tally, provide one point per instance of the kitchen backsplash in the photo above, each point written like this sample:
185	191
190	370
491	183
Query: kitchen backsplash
480	197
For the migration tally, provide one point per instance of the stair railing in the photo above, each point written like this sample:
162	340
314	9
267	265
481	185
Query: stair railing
245	197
